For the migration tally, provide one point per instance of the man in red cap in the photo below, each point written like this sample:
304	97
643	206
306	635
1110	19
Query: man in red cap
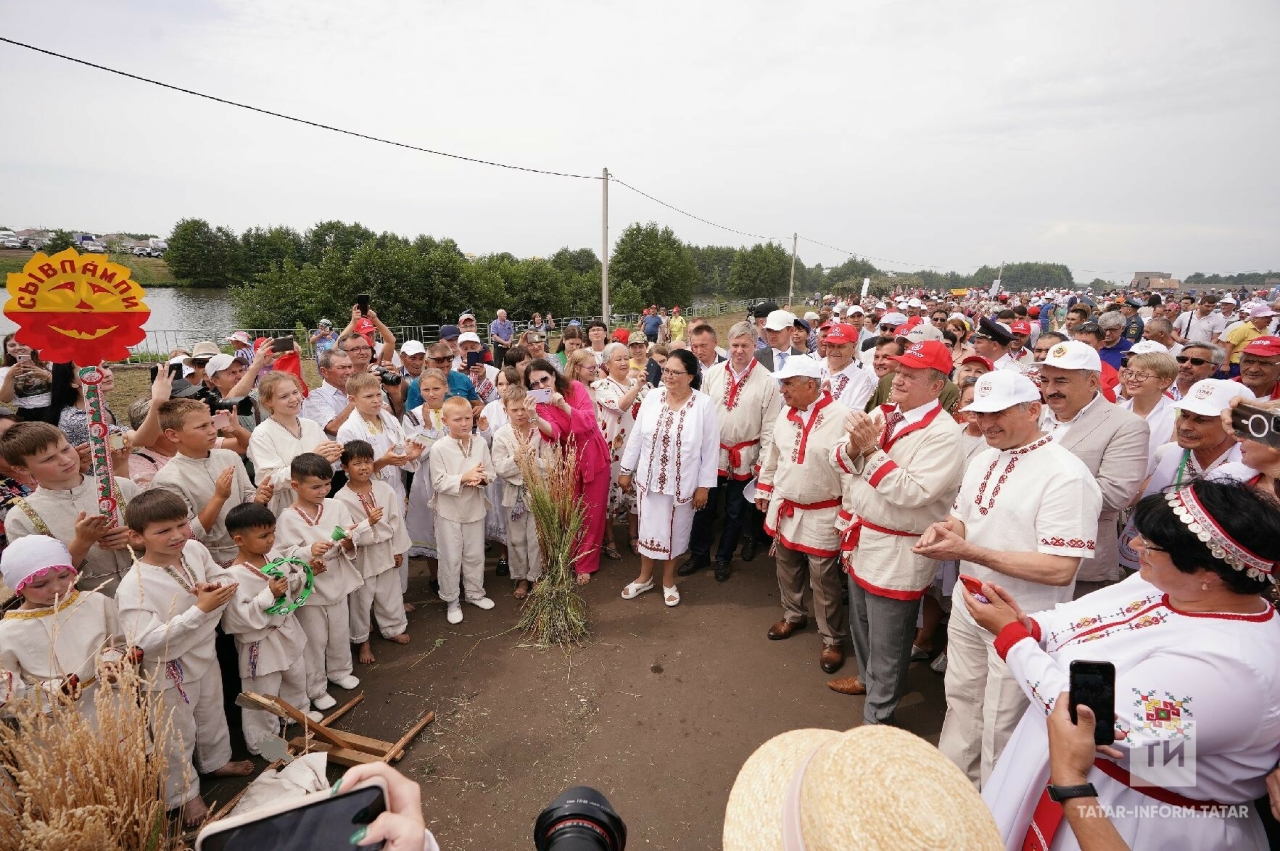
1021	330
903	465
844	375
1260	368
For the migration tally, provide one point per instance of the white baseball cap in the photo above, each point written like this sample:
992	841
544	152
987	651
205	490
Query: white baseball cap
880	305
799	366
1074	354
1001	390
915	302
856	308
924	331
413	347
1148	347
1226	299
1209	396
811	317
469	337
778	320
1258	311
218	363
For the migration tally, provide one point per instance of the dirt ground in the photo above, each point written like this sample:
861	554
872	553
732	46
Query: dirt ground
659	711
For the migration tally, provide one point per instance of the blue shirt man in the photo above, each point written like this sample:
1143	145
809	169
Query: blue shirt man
651	324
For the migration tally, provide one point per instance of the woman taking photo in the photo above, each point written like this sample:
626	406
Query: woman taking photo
1194	644
25	380
570	420
284	436
672	455
960	349
618	395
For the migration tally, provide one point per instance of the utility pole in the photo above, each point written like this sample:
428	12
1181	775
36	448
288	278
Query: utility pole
604	251
792	289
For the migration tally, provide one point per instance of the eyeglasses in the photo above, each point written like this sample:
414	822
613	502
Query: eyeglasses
671	373
1127	374
353	349
444	359
884	327
1193	361
1088	328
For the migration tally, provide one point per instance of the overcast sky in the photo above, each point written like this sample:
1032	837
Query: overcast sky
1110	136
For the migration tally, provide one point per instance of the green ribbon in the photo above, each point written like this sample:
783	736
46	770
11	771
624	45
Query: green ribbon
283	605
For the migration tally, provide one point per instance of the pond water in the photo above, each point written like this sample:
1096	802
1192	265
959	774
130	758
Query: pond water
175	308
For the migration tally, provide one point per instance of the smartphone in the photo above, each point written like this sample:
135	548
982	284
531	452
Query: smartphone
1094	685
315	822
542	395
175	371
362	303
280	345
23	358
974	587
222	420
1260	425
474	358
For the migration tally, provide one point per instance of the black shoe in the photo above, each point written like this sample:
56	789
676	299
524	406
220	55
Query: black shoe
503	569
693	565
722	571
749	549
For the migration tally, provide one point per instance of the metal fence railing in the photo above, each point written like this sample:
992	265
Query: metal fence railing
159	343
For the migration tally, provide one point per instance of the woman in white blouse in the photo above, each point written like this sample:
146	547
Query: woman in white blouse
1146	378
284	436
618	396
671	456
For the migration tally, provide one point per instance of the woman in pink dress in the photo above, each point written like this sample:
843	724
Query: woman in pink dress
570	419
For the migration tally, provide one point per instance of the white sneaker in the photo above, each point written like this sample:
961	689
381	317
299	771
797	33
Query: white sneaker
348	682
315	716
324	702
455	612
482	603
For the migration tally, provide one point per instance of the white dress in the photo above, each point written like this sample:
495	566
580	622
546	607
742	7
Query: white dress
425	426
1211	679
616	423
495	520
272	448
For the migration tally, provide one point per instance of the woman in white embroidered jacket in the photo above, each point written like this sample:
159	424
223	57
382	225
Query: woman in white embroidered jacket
1194	644
671	455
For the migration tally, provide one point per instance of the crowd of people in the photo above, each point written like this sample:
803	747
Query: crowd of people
1071	455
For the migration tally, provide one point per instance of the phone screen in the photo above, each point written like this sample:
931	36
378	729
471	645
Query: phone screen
325	825
282	344
542	395
1094	685
474	358
362	303
1257	424
221	420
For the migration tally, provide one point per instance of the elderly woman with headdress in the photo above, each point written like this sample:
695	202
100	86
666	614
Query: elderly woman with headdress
1195	645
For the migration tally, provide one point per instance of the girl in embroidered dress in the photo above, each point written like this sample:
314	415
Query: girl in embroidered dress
284	435
618	397
1194	644
493	417
424	425
672	455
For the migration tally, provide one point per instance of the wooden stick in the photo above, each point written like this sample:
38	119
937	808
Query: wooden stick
283	708
397	750
343	709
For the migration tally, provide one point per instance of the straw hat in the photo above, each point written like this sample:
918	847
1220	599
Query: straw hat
873	787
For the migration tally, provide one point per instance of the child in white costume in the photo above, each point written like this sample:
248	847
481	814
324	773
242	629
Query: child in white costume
271	646
460	470
59	641
170	603
493	417
380	543
424	425
306	531
518	435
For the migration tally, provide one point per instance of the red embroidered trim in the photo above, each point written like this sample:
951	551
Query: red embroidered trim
802	437
1260	617
1014	454
886	445
735	387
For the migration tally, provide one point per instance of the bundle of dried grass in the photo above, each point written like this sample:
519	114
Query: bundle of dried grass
554	613
84	785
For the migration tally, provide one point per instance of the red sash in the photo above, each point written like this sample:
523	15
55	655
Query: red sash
851	536
735	452
787	508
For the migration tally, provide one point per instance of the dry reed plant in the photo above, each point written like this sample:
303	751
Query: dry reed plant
554	613
76	785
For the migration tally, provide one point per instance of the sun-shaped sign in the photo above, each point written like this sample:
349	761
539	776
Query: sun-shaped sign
70	307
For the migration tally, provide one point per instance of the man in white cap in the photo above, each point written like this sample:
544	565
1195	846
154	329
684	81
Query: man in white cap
1112	442
778	326
1025	517
800	490
903	463
484	376
844	375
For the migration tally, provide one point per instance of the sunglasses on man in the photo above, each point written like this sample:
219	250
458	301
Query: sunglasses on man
1193	361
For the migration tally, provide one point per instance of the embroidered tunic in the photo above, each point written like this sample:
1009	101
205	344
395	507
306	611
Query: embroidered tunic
746	409
271	449
673	452
297	529
616	423
852	386
265	643
387	434
379	544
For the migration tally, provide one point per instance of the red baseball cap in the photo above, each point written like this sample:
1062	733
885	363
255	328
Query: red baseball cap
1033	311
621	335
840	333
929	354
1263	347
1021	327
980	359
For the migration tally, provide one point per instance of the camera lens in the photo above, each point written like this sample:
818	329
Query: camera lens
390	377
580	819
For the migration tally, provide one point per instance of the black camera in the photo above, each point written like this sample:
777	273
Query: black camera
243	406
580	819
389	377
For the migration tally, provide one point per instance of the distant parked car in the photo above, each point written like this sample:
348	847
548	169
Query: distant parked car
11	243
157	252
93	248
141	252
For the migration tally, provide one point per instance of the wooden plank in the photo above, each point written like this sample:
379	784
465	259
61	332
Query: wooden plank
343	709
397	750
320	731
344	756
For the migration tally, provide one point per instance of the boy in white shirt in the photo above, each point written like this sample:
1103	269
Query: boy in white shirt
210	481
376	426
306	530
170	603
270	642
381	541
519	435
460	469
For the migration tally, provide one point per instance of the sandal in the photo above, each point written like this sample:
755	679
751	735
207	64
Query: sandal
670	596
635	589
611	551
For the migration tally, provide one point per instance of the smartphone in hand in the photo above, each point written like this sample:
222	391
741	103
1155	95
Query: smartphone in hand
280	345
1094	685
542	395
974	587
1260	425
315	822
362	304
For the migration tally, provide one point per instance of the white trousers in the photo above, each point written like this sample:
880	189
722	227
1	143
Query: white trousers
382	594
984	701
461	548
290	685
523	552
196	724
328	650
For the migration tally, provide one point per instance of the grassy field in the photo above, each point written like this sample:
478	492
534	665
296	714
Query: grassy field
148	271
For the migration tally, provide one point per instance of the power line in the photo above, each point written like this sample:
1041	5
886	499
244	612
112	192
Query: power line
615	179
308	123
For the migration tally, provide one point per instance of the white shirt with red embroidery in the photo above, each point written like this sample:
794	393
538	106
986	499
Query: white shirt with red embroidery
1206	683
894	494
852	386
1036	498
673	452
747	405
796	475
